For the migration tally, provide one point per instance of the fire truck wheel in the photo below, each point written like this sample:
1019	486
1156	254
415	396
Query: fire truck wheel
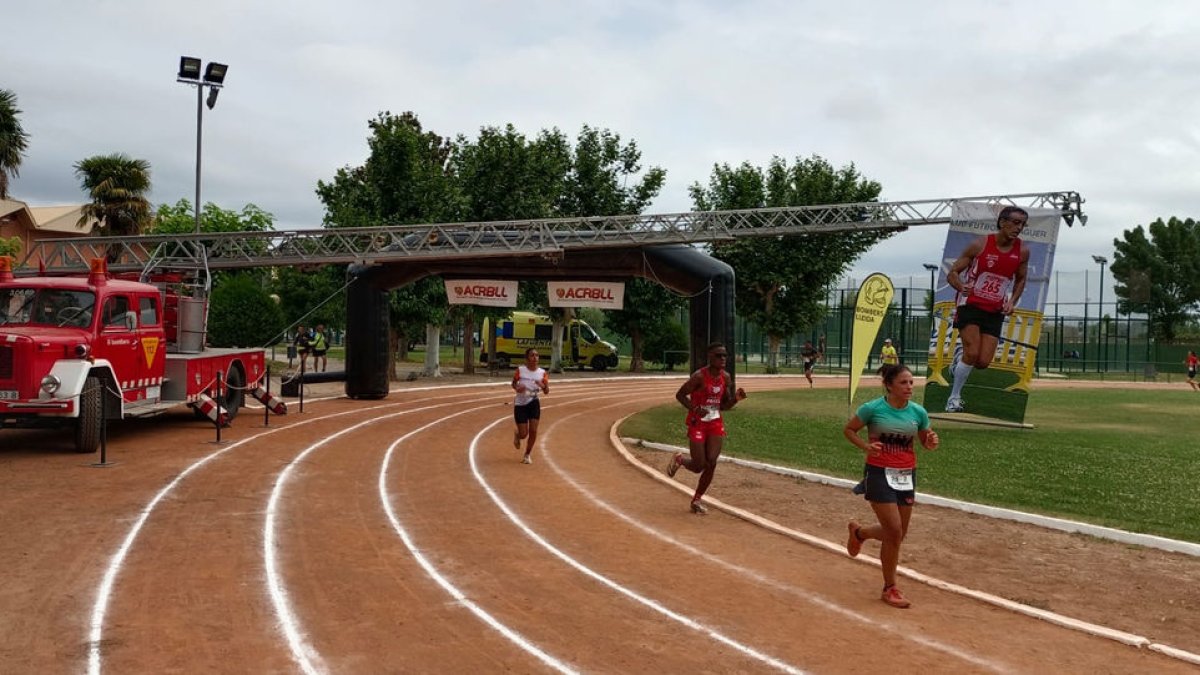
235	394
503	361
600	363
87	427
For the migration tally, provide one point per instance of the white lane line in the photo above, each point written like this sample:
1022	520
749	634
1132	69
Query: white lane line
632	595
815	598
515	637
303	653
108	581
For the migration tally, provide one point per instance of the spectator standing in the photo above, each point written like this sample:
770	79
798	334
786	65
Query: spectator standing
303	342
320	345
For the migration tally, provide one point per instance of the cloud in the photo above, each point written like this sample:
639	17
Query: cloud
932	99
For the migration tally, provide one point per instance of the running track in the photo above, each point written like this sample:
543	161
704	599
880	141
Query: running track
404	535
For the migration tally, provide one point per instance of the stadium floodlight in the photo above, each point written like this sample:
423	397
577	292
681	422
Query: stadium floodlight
214	79
1102	334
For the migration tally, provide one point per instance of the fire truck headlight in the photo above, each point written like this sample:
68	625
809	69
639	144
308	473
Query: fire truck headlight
50	384
81	351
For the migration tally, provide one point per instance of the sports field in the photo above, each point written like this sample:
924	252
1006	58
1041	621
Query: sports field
405	535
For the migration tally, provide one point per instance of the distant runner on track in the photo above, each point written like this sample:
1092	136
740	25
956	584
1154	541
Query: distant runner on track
529	381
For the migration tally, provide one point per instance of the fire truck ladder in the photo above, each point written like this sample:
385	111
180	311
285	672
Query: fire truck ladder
546	237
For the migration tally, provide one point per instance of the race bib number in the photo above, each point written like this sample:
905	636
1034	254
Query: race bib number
899	479
990	286
711	414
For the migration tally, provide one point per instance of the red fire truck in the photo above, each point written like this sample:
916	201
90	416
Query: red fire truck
75	350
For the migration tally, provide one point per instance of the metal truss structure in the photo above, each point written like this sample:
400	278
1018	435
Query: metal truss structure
548	237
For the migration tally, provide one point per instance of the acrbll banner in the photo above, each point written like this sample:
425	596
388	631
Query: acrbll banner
874	298
1002	390
488	293
602	294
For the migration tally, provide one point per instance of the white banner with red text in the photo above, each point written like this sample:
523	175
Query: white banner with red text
602	294
484	292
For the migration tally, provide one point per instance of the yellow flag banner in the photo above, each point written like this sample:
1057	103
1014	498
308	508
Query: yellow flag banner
874	298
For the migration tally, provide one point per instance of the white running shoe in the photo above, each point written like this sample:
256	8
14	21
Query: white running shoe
954	405
527	460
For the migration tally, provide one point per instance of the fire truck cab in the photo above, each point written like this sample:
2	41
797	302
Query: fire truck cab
74	350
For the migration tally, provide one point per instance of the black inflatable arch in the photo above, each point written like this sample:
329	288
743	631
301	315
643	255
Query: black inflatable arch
683	269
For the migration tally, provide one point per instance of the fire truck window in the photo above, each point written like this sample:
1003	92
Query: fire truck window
60	308
149	311
115	309
542	332
16	304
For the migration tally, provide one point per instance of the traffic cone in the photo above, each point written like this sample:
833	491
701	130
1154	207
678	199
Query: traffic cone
210	409
273	403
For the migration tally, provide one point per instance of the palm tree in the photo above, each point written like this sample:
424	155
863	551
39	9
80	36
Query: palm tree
117	185
13	140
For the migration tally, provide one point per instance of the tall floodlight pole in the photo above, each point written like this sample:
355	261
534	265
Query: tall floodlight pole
214	79
932	285
933	269
1102	335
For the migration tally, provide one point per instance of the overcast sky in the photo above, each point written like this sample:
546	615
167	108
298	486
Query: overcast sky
933	99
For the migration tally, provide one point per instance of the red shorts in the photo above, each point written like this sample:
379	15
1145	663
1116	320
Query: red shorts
700	431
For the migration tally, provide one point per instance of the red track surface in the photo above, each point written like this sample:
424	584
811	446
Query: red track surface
278	554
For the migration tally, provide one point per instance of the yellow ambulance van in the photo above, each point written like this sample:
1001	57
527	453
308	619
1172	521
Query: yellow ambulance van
514	334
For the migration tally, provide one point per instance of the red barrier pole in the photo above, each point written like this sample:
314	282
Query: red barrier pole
218	398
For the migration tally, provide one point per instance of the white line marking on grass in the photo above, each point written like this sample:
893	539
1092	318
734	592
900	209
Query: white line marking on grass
812	597
515	637
108	581
632	595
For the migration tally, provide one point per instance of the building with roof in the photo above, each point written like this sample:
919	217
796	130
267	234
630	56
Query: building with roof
30	223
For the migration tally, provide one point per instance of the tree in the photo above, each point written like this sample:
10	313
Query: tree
405	179
242	314
667	343
117	186
649	310
10	246
780	279
1159	275
311	296
180	219
13	140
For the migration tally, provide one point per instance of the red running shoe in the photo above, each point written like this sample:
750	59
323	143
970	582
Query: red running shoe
893	596
853	543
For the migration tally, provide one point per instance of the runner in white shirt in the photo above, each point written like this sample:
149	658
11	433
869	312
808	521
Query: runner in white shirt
529	381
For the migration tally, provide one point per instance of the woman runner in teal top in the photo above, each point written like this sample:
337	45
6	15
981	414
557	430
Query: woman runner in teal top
892	421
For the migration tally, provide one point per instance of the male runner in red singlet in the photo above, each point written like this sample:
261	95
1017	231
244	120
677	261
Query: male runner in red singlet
995	267
706	393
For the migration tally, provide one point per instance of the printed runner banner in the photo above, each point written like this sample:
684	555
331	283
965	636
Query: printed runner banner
874	298
1000	391
481	292
602	294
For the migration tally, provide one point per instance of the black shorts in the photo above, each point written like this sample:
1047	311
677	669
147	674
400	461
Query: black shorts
989	323
319	352
808	365
1191	373
880	492
529	411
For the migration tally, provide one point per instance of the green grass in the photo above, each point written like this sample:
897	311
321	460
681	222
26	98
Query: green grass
1107	457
